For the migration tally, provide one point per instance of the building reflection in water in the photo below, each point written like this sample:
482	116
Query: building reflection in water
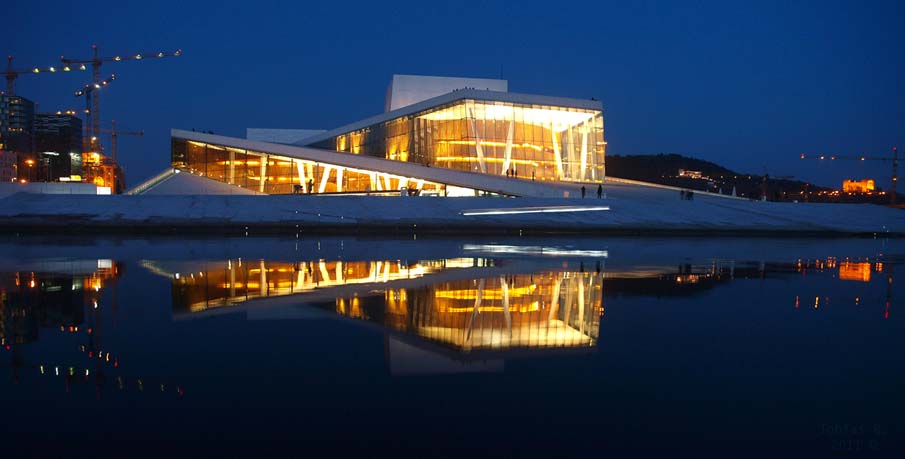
547	309
65	297
53	295
468	304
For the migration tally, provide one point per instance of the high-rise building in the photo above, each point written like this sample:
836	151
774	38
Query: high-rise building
17	116
58	145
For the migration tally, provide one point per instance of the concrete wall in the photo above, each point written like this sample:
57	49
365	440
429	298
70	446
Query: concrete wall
406	90
7	189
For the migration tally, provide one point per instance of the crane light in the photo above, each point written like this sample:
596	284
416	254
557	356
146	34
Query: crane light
53	70
159	54
138	56
37	70
178	52
117	58
82	67
66	68
97	86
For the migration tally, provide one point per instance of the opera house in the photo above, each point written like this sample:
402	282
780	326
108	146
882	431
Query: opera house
438	136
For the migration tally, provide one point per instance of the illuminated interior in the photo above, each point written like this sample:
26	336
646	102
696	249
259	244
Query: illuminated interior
275	174
239	281
543	142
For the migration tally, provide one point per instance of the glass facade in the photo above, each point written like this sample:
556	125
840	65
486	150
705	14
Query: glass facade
543	142
275	174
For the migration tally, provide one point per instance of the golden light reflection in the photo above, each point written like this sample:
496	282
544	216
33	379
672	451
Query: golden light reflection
850	271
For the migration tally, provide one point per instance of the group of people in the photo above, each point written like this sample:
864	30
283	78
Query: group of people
599	191
297	189
514	173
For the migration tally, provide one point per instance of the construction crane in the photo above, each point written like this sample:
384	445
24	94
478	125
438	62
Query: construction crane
112	178
96	61
114	133
89	92
12	74
894	159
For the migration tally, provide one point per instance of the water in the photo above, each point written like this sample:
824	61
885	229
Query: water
507	346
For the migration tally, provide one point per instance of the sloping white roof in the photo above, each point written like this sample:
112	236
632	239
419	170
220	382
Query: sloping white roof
176	182
485	182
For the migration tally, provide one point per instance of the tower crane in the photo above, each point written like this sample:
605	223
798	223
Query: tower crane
114	133
96	61
894	158
11	74
89	92
112	178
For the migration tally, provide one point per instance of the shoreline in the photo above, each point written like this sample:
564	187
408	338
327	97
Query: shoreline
642	215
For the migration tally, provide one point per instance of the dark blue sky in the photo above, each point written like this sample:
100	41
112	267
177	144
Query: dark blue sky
745	84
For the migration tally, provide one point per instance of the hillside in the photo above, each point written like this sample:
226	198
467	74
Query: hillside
707	176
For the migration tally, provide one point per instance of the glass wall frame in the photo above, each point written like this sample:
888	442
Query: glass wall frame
541	142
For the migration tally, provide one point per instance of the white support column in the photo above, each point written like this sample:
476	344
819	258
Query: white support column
263	287
584	152
232	167
476	309
557	154
506	316
263	173
580	305
507	153
302	177
232	281
322	267
386	182
554	298
324	179
570	152
477	142
339	179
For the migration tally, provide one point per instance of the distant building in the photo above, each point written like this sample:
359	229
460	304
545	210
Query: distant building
692	174
8	169
861	186
102	171
58	145
17	116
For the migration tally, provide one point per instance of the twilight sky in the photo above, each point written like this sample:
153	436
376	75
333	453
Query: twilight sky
748	84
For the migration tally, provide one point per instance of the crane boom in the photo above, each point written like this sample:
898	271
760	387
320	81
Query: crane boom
96	61
89	91
11	74
894	158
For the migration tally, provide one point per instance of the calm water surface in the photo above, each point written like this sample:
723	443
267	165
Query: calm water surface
517	346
